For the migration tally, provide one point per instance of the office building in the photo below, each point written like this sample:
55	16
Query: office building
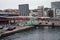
24	9
56	9
55	4
56	12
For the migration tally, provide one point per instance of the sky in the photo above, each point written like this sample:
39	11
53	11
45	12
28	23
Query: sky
13	4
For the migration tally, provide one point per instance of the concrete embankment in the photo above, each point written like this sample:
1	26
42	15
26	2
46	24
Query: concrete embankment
15	31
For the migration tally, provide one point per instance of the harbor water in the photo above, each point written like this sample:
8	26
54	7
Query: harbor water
36	34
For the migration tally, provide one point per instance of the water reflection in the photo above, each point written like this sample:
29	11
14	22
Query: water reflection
36	34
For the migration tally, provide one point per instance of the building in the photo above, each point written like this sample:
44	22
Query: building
20	19
55	4
40	11
56	9
34	13
24	9
13	19
46	11
56	12
9	12
50	13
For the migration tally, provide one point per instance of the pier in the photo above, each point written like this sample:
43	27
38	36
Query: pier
7	33
49	25
28	23
35	34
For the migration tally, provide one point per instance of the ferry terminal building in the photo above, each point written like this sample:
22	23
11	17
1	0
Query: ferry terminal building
18	19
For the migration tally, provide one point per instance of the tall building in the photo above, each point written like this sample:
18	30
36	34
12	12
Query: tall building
40	11
56	12
56	9
24	9
55	4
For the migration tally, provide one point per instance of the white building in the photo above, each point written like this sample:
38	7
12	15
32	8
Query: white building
40	11
35	14
56	12
56	8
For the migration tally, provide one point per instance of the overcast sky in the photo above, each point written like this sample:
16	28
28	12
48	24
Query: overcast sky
13	4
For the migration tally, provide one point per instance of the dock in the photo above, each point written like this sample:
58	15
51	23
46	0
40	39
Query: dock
49	25
7	33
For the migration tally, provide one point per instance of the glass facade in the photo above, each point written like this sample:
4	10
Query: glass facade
8	15
55	4
24	10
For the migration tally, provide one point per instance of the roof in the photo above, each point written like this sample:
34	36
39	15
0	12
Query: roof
16	16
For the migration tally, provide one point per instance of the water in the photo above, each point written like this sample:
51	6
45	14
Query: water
36	34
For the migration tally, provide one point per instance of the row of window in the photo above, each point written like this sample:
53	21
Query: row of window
8	15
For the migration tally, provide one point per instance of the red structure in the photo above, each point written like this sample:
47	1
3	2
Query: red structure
14	11
7	20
